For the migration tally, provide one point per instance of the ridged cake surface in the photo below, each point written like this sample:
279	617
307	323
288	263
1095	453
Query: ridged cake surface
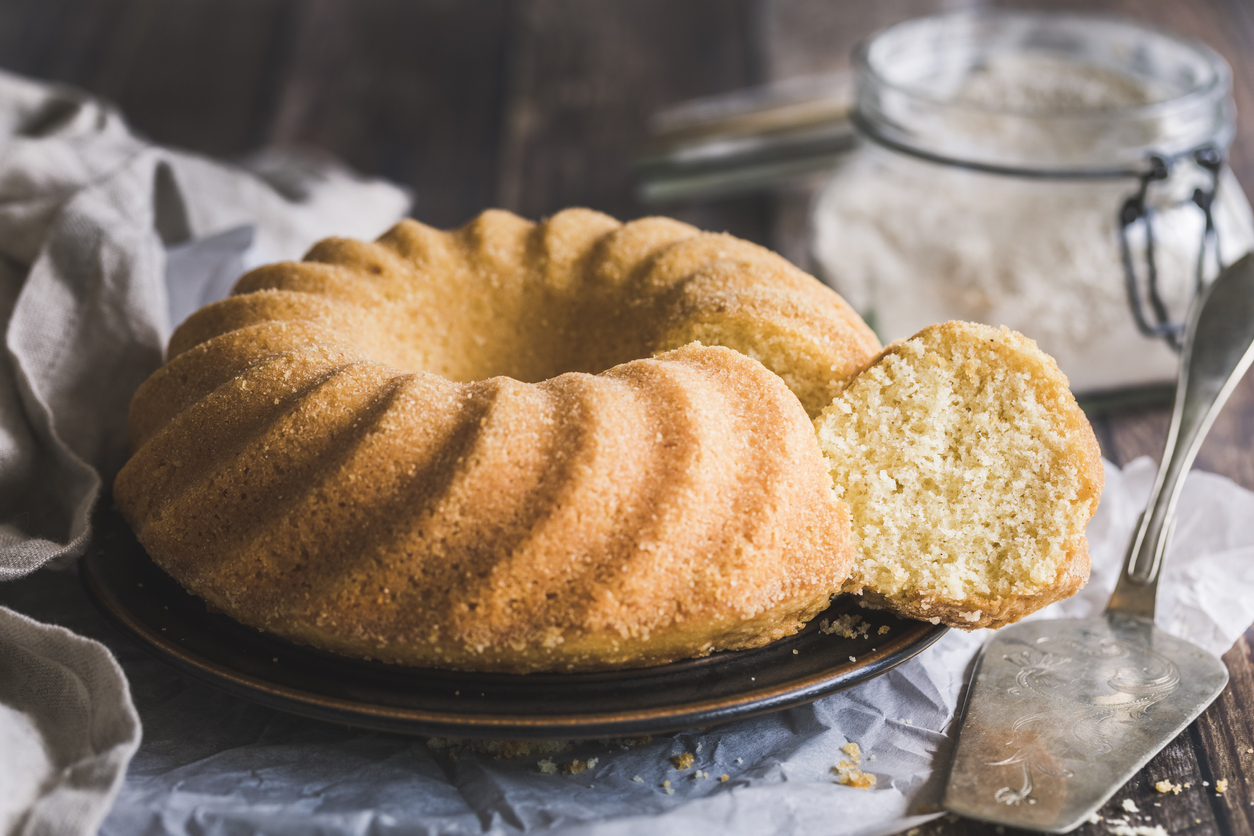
494	448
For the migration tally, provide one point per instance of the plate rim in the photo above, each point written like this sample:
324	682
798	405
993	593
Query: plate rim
410	720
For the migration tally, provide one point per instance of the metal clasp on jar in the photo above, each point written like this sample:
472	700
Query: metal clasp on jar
1148	308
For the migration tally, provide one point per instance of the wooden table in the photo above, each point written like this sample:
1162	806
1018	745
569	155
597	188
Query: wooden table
535	105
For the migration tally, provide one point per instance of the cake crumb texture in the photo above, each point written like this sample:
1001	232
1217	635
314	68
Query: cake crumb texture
847	626
683	760
848	772
970	473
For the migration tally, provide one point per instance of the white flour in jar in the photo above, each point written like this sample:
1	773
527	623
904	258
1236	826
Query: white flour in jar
910	243
1040	83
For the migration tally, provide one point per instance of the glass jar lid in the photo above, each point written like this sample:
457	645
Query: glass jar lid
1041	94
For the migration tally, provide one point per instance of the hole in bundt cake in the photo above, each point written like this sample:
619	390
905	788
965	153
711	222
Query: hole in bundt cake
580	293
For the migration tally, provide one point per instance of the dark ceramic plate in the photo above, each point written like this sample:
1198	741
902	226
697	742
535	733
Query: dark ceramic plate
177	628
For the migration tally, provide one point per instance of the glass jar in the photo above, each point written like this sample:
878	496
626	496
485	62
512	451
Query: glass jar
1060	174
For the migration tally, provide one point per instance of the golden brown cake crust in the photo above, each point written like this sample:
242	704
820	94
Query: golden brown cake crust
399	450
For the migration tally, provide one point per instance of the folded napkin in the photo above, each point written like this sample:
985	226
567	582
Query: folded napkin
93	222
104	242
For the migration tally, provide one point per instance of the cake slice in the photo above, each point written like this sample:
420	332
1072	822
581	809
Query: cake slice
970	473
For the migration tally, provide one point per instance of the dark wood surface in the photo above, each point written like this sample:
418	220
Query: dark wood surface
534	105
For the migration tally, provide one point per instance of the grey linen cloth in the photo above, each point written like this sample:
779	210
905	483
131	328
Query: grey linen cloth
94	221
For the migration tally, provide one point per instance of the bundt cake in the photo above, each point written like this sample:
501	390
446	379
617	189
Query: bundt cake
970	473
458	450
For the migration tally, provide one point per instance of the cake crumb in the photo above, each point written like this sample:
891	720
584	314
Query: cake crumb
1221	786
858	779
1130	806
574	767
666	783
1165	787
853	751
724	777
848	774
547	766
669	790
683	760
884	629
1094	819
638	779
848	626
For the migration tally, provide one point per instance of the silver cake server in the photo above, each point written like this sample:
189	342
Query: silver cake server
1062	713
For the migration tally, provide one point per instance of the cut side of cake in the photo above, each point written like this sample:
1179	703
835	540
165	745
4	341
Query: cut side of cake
970	473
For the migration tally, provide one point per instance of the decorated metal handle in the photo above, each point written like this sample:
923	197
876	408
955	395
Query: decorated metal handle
1218	348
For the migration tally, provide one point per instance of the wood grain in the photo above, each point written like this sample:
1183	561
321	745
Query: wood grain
192	73
584	79
409	91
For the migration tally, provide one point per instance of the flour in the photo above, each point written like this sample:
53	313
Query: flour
910	243
1039	83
